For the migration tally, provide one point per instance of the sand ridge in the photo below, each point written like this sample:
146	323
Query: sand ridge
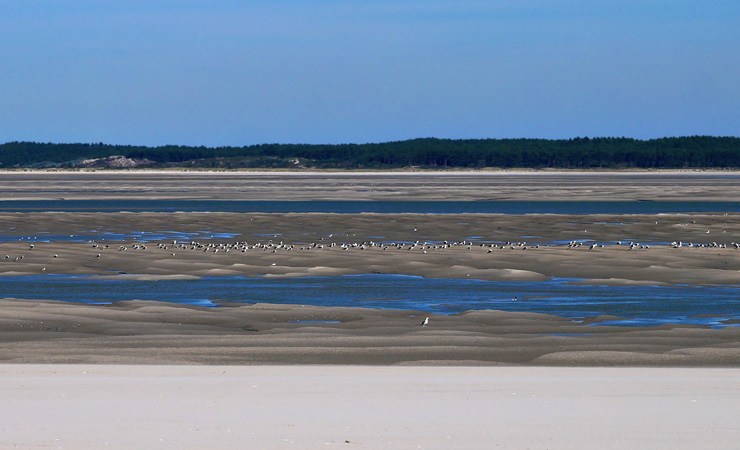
493	246
146	332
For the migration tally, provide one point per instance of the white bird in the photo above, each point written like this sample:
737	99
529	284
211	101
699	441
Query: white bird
425	322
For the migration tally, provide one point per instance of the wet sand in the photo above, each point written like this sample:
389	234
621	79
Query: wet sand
310	244
291	245
139	332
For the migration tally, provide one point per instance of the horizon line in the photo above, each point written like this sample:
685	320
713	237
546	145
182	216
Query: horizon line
100	143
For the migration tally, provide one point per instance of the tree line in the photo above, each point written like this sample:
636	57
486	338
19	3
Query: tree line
576	153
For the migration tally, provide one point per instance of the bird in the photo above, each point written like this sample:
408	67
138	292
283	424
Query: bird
425	322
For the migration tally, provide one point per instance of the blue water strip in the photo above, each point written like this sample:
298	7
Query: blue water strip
638	305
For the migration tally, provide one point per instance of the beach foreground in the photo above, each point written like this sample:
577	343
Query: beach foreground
308	407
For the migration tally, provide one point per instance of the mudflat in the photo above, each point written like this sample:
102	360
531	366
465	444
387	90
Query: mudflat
309	244
139	332
478	246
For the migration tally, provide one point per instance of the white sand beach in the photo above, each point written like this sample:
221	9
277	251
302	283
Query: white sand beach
353	407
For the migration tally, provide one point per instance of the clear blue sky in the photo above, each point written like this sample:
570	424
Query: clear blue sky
234	72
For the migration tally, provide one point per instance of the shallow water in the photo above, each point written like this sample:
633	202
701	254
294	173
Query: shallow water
639	305
95	235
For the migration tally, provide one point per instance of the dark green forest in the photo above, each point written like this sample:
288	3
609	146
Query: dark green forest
577	153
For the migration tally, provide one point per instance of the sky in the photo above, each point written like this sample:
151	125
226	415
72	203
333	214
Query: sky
240	72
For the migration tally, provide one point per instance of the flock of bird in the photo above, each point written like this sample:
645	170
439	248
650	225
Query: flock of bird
274	247
423	247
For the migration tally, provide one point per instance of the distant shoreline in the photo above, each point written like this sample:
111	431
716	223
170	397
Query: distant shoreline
428	153
364	173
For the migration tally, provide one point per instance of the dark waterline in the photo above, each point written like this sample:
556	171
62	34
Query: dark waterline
639	305
94	235
354	207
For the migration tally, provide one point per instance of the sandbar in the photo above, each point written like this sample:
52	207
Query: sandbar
150	332
495	247
368	186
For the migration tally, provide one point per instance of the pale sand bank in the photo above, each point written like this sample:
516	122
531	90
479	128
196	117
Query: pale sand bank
448	185
308	407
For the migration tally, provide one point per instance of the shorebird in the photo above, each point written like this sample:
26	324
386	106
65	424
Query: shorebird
425	322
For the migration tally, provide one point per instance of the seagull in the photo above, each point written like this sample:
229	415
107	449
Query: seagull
425	322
